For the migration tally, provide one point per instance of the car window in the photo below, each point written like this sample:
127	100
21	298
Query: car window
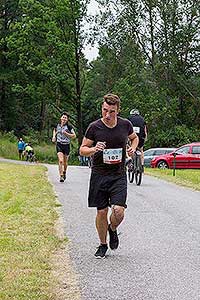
159	152
196	150
149	152
169	150
183	150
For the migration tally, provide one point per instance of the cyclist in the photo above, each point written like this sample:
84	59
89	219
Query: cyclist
62	135
140	128
29	152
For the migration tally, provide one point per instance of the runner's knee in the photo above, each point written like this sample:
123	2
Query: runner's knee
60	161
118	211
102	213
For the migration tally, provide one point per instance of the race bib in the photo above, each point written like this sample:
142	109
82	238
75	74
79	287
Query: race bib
136	129
112	156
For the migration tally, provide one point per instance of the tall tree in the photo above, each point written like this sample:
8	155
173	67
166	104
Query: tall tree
70	22
9	13
161	72
69	16
48	44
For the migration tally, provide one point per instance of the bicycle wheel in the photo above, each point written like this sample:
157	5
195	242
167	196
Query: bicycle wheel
138	170
130	175
89	162
130	171
33	159
138	177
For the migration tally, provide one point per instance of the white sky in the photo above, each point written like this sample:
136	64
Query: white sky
89	51
92	7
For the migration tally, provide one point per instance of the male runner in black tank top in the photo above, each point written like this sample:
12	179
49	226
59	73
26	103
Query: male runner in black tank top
105	140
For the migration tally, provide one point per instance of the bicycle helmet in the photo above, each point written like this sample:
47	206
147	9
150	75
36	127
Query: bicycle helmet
134	112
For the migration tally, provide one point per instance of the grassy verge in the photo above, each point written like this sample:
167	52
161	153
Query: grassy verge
187	177
44	152
27	236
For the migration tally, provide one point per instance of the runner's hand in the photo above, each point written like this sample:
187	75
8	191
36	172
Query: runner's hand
130	151
100	146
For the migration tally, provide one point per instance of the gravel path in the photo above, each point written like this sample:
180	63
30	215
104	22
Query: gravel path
158	257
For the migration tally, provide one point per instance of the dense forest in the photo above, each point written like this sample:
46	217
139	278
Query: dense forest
149	54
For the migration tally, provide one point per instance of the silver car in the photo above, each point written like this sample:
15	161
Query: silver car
154	152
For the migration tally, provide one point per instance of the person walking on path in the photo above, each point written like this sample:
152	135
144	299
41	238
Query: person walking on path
105	139
62	135
21	146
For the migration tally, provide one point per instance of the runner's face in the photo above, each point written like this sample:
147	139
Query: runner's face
64	119
109	113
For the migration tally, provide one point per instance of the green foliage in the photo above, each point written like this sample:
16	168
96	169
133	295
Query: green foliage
148	57
10	136
148	54
45	153
8	150
43	63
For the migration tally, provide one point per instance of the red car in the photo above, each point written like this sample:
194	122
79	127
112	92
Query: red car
186	157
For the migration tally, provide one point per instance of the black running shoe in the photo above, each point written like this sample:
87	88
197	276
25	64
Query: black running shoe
64	175
62	178
114	240
101	251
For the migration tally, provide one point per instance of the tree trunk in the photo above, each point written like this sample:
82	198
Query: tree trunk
42	116
76	29
150	10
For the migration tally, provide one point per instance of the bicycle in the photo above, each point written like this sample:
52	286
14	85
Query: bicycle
30	157
134	168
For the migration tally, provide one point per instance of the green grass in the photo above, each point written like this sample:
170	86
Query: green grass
185	177
8	149
45	153
27	236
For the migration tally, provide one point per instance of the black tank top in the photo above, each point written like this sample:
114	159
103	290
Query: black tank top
138	121
115	137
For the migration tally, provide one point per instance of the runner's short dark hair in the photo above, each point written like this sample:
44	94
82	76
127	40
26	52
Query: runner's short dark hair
64	113
112	99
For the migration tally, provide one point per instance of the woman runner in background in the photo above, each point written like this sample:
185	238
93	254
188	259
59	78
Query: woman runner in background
62	135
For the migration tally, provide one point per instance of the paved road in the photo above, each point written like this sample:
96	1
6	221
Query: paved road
159	253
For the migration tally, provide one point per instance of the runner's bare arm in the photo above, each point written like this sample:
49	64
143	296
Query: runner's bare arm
134	140
71	134
54	136
87	148
146	132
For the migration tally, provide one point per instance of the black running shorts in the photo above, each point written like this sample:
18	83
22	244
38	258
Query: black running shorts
107	190
64	148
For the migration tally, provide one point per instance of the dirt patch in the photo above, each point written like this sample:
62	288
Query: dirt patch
66	280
